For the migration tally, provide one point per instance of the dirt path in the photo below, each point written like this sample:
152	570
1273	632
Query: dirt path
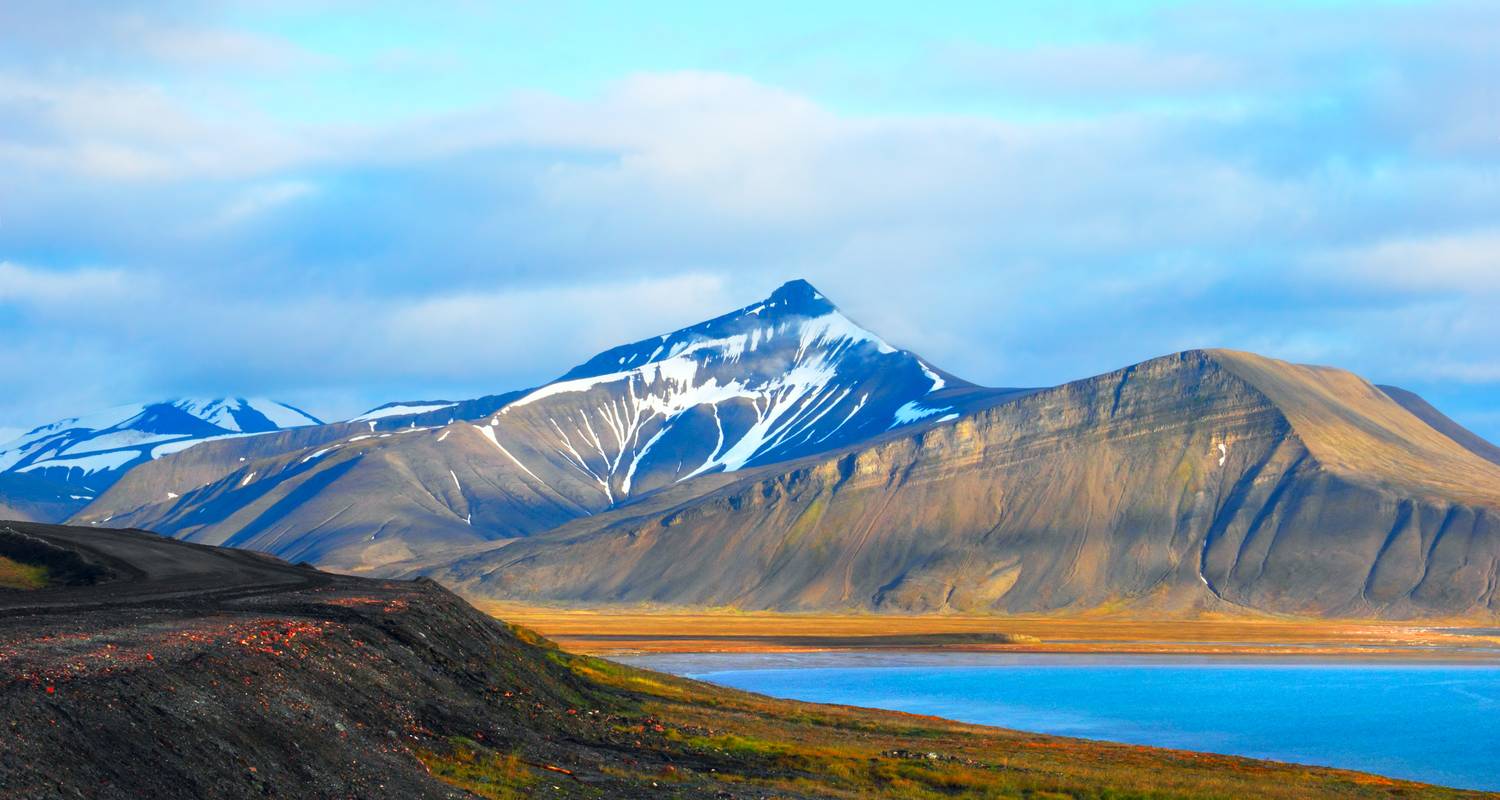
144	569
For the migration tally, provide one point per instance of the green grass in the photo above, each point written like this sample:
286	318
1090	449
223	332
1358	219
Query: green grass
481	771
15	575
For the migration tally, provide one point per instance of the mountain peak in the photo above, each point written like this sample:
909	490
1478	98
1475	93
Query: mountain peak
797	297
793	300
784	377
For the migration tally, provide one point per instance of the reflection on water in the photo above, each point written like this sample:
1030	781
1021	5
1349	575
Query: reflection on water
1438	723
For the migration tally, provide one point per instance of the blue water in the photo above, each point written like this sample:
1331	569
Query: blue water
1426	722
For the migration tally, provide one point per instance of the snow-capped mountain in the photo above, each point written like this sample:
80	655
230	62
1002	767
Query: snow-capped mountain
778	379
786	377
89	453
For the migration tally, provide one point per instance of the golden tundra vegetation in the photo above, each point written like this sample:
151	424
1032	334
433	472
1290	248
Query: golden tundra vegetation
645	630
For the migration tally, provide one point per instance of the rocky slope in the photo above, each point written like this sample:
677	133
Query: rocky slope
170	670
1208	480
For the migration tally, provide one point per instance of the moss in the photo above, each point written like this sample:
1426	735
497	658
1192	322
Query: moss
499	776
16	575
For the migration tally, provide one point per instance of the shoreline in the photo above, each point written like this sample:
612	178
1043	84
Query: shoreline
919	686
621	632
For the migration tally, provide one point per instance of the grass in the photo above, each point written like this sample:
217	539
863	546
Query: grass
672	737
16	575
481	771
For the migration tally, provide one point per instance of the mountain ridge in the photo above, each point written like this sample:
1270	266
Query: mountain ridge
1439	421
780	456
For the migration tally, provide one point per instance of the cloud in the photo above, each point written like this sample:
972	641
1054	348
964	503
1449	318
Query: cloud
156	339
199	48
505	331
163	34
1325	193
57	290
1466	262
260	199
1098	71
115	130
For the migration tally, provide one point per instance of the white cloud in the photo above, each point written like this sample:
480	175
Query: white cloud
122	131
58	289
1324	194
542	330
1462	262
198	47
263	198
1102	71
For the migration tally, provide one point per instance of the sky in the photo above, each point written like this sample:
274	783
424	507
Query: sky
341	204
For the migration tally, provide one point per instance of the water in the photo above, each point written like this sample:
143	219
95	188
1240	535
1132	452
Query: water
1437	723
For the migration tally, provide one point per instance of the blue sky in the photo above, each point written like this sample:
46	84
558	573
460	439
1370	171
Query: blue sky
339	204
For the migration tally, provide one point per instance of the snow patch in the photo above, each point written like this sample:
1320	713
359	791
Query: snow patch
319	454
400	411
937	380
177	447
115	440
489	433
218	411
912	411
834	327
99	462
280	414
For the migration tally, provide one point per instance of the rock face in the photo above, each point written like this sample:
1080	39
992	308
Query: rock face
1204	480
53	470
783	457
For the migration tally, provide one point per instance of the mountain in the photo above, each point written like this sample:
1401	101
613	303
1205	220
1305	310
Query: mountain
67	463
783	457
1424	411
773	381
1203	481
782	378
32	497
